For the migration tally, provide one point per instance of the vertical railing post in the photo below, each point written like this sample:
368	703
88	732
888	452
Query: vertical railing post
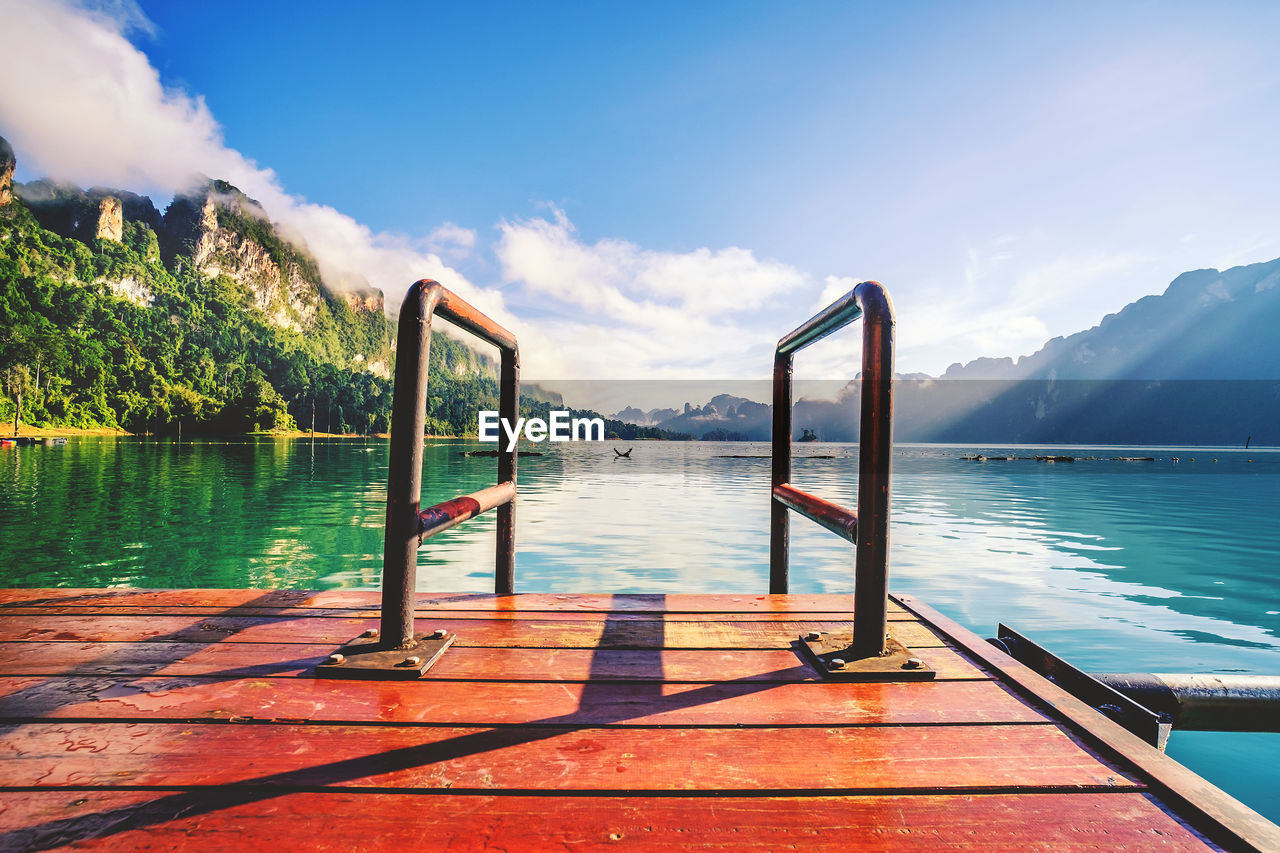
779	530
394	650
875	447
404	474
508	409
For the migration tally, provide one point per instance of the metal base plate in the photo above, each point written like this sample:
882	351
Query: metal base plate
897	664
365	657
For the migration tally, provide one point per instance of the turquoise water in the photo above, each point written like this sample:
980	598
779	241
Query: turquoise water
1119	566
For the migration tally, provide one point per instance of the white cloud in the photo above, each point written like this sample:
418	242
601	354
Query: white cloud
123	15
624	311
1014	295
834	286
452	241
78	98
80	103
632	313
615	275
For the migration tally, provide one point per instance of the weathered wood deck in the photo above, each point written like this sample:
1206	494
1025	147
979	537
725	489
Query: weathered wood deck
189	719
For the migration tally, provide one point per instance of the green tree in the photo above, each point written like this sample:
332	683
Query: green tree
17	383
185	403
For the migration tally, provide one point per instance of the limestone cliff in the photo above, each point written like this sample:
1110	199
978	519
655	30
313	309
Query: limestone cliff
217	232
364	300
225	233
110	219
86	215
7	164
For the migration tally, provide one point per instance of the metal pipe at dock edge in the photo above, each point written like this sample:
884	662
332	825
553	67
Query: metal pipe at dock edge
453	308
875	448
1208	702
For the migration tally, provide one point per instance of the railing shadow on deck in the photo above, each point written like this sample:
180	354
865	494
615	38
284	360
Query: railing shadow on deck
648	635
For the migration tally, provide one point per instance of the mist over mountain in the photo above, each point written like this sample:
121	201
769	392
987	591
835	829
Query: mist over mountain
1197	364
1206	325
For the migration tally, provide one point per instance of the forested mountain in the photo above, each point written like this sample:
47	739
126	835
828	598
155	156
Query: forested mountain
115	315
112	314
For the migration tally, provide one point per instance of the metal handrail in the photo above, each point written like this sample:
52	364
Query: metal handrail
869	528
407	527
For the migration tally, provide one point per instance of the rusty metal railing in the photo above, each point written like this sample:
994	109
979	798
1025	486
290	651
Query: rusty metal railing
869	528
407	527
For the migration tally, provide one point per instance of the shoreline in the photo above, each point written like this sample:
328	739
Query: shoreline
28	431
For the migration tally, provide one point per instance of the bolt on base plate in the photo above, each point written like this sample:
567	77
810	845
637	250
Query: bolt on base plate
831	653
365	657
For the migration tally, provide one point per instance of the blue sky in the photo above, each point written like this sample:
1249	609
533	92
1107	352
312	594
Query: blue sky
663	189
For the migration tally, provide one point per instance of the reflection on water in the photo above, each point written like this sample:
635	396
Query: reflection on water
1122	566
1170	561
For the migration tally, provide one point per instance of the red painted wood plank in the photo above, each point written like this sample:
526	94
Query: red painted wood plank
343	821
63	611
369	599
471	632
91	597
926	758
495	703
259	660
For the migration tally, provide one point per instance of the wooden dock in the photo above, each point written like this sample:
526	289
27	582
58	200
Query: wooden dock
191	720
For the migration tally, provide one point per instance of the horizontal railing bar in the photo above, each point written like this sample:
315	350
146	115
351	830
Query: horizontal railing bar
465	315
442	516
831	319
835	518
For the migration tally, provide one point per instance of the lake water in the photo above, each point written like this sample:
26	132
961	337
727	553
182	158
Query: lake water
1118	566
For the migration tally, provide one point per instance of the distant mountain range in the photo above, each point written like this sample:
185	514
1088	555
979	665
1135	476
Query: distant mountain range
1206	325
1198	364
